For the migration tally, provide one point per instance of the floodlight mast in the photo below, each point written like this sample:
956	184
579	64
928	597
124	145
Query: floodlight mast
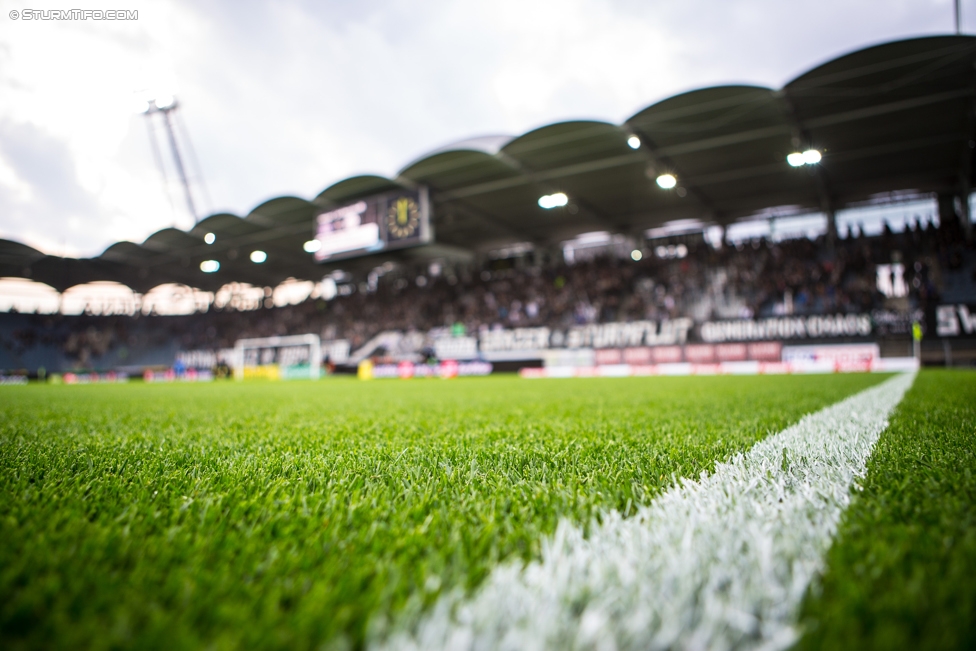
166	109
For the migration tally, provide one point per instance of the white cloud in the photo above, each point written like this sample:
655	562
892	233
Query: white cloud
68	114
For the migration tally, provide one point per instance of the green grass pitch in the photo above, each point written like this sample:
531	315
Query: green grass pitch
310	514
902	571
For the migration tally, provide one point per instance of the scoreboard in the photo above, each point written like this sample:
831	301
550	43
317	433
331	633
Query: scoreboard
393	220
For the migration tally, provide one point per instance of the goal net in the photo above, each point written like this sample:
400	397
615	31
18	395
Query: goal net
279	358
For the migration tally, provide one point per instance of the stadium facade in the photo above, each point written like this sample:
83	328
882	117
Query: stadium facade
889	123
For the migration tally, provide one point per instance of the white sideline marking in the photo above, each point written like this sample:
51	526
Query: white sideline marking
718	563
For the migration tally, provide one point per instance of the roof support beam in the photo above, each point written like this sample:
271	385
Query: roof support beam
889	107
704	144
544	179
662	162
966	165
802	140
560	172
223	244
744	173
489	220
815	123
944	55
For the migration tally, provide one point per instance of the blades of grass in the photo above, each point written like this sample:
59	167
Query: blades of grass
293	514
717	563
901	573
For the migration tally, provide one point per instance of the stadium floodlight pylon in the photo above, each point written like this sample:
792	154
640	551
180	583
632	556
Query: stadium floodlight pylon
167	106
279	358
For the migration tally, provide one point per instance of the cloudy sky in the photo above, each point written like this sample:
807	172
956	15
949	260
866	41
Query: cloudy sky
291	96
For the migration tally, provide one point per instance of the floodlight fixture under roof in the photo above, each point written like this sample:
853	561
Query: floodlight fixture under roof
808	157
164	102
550	201
667	181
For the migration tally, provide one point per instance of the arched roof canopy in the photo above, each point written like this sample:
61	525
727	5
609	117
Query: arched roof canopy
170	240
501	192
122	252
16	253
456	168
893	116
354	188
63	273
727	145
490	145
554	146
605	178
282	211
890	118
224	225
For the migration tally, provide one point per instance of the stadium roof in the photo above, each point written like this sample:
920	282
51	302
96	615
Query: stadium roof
897	117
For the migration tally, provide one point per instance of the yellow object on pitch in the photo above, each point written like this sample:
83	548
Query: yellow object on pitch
365	370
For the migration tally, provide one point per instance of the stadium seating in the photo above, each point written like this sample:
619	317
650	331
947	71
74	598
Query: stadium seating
750	279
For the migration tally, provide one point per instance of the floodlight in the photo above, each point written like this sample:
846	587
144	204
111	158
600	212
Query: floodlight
209	266
550	201
257	257
312	246
667	181
636	255
165	101
634	142
809	157
209	238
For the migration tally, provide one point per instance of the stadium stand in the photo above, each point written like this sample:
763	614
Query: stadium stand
753	279
894	123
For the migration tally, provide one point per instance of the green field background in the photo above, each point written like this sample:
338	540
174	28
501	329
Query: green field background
318	514
902	571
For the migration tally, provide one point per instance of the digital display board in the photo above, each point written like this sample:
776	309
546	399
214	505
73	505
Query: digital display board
383	222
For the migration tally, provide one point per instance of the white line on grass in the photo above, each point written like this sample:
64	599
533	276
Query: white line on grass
718	563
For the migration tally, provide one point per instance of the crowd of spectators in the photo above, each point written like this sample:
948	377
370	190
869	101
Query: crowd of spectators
750	279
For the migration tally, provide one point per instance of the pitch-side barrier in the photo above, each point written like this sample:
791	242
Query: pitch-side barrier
880	365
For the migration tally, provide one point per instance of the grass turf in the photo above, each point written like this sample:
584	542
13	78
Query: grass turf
902	572
288	515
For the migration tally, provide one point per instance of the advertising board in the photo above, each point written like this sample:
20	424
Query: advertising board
798	327
736	340
955	320
445	370
839	357
456	348
761	351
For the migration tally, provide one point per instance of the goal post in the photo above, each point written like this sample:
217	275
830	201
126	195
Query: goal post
279	358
